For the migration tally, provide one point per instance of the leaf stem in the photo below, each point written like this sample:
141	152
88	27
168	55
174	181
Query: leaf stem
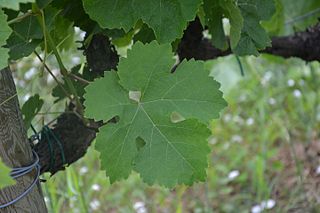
53	76
86	82
20	18
63	69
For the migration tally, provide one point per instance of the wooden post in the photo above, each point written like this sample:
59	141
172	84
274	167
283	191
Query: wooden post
15	150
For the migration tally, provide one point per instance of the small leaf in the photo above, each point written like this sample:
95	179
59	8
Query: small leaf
30	109
253	36
173	153
5	179
26	36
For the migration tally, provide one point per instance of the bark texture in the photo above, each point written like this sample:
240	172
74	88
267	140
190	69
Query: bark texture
15	150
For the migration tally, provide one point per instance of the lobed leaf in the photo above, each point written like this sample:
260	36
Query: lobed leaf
167	18
144	95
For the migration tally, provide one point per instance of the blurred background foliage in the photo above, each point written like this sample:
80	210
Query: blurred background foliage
265	147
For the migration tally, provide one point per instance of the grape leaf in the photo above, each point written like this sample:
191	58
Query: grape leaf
4	34
167	18
30	109
253	36
13	4
148	98
5	179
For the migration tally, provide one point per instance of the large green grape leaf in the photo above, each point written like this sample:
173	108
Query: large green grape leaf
4	34
5	179
13	4
161	132
168	18
253	35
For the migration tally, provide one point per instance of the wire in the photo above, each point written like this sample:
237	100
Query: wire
18	172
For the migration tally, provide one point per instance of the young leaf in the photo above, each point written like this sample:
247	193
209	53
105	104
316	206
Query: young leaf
13	4
169	153
5	179
4	34
30	109
253	36
167	18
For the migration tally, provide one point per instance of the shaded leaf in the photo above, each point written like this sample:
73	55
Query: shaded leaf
167	18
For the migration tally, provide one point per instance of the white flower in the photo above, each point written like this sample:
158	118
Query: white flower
297	93
140	207
95	204
256	209
291	83
267	204
96	187
272	101
233	174
266	78
227	117
250	121
83	170
226	146
212	140
236	139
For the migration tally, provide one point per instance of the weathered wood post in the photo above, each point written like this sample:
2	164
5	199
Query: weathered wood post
15	150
